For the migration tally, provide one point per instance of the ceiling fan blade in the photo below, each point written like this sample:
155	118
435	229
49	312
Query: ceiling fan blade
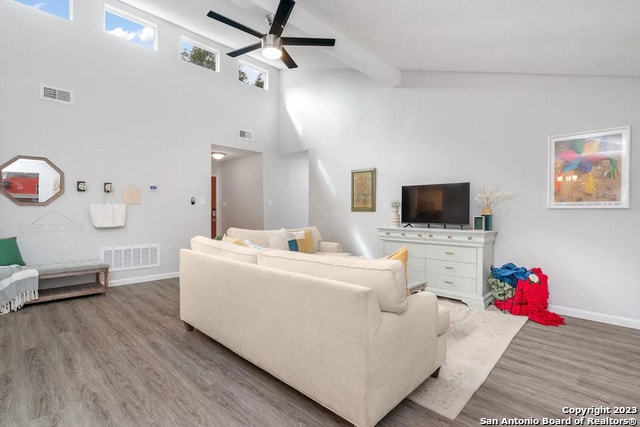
288	61
234	24
245	49
307	41
281	17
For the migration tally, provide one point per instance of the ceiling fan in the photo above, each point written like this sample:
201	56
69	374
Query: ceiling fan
272	43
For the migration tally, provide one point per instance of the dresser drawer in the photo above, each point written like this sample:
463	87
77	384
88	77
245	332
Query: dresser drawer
403	234
451	268
415	249
451	283
416	276
416	264
451	253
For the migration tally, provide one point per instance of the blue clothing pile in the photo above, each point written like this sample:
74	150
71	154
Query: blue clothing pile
510	273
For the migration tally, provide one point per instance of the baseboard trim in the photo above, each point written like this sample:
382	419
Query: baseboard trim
596	317
142	279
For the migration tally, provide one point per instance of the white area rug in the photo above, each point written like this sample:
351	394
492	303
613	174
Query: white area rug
475	343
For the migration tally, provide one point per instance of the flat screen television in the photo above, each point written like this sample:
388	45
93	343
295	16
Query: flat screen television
441	204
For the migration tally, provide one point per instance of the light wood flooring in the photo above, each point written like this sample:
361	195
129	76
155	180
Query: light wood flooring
125	359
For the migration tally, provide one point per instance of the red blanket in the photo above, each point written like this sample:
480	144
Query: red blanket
531	298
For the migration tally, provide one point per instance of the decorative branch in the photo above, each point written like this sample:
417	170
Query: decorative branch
491	195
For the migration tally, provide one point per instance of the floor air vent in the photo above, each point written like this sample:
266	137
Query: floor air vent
131	257
54	94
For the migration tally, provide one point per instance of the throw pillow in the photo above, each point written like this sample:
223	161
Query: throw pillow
402	255
9	252
226	238
250	244
277	239
315	236
300	241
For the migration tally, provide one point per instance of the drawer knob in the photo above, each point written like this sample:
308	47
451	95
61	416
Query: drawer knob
469	238
448	268
419	235
430	235
449	253
402	234
387	233
449	237
448	282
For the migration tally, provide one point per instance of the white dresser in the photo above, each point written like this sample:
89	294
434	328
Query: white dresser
454	263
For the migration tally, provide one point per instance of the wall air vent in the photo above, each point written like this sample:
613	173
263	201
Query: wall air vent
245	134
55	94
131	257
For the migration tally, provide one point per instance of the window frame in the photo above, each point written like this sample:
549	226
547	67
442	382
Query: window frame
70	2
257	68
133	18
203	46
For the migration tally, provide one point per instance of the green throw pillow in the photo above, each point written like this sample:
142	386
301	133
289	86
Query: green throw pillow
9	252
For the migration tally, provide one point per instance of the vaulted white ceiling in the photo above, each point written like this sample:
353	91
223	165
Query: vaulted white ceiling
382	37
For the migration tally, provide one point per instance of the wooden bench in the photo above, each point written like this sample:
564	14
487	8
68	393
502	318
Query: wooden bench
69	269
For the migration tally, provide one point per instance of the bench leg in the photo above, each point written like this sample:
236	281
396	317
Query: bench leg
435	373
106	281
187	326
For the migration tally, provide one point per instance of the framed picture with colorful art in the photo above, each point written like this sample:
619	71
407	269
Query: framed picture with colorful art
363	190
589	170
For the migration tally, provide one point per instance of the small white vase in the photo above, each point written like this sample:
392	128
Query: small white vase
395	218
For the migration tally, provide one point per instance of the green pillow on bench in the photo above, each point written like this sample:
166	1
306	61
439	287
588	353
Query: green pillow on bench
9	252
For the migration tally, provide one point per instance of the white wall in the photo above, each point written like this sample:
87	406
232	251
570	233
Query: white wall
299	190
472	127
140	117
241	193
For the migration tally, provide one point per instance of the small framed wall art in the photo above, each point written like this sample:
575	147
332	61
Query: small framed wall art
363	190
589	170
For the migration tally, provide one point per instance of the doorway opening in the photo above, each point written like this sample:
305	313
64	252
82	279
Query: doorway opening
236	190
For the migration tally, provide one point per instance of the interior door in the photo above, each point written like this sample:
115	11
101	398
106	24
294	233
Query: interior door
214	212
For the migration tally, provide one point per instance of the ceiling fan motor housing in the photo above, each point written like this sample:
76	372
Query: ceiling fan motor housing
271	40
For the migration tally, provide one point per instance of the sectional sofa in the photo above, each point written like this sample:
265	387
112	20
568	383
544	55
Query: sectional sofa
341	330
276	239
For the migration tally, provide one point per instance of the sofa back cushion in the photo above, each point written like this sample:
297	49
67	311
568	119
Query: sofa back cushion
259	237
386	277
275	239
224	249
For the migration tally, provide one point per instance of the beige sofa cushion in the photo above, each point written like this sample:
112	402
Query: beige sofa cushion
224	249
402	255
259	237
386	277
444	318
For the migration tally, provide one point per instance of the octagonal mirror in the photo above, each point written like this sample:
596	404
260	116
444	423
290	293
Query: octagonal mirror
31	180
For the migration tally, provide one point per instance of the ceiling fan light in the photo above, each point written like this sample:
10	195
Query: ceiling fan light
271	46
218	155
271	52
